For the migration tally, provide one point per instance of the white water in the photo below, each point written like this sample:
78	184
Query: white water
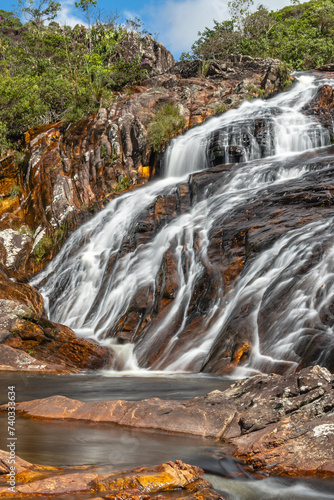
105	268
286	131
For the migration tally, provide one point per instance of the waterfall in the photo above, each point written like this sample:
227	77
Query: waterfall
105	282
257	129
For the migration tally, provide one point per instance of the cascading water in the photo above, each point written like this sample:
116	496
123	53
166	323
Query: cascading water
106	281
256	130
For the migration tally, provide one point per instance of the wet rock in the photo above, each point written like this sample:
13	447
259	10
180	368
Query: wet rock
321	107
136	484
235	241
272	420
68	173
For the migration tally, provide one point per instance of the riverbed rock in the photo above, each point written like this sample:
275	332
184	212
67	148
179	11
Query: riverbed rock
136	484
271	420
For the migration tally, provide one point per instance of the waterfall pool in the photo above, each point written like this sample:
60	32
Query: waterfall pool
110	448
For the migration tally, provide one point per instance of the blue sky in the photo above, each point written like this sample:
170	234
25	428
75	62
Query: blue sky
176	21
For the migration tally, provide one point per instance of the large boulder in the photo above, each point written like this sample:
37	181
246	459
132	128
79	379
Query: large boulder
157	58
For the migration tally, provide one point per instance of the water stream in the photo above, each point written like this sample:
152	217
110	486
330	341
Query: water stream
109	448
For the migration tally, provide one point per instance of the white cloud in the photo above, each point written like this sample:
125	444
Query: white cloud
179	21
66	15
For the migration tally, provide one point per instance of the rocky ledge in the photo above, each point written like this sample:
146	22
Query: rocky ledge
30	342
278	425
138	484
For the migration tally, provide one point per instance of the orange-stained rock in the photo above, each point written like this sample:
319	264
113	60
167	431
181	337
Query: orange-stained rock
30	342
294	446
58	485
137	484
264	417
165	477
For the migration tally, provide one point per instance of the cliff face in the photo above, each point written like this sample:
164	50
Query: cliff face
67	173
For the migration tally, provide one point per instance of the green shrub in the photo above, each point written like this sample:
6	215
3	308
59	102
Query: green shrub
220	108
14	191
166	123
42	247
4	142
123	185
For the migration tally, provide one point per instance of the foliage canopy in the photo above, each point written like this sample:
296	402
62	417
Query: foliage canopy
52	72
300	35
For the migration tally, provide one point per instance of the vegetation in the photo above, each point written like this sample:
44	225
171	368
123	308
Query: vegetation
42	247
52	72
123	185
166	123
47	242
300	35
14	192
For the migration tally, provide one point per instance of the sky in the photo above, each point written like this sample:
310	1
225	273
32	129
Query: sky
176	22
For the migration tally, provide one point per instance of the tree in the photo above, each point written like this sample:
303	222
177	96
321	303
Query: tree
39	11
239	10
87	7
8	20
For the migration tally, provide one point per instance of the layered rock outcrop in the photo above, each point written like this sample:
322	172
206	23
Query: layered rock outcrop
278	425
236	239
138	484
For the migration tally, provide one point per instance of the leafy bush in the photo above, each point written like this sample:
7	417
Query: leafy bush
166	123
14	191
4	142
300	35
123	185
42	247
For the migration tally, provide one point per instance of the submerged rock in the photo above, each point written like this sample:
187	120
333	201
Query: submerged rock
271	420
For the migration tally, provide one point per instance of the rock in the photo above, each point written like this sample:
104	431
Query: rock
30	342
137	484
236	240
321	107
69	172
20	464
155	55
271	420
19	361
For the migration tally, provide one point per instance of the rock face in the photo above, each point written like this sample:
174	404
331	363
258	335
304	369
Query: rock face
235	241
321	107
138	484
272	421
67	173
157	58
